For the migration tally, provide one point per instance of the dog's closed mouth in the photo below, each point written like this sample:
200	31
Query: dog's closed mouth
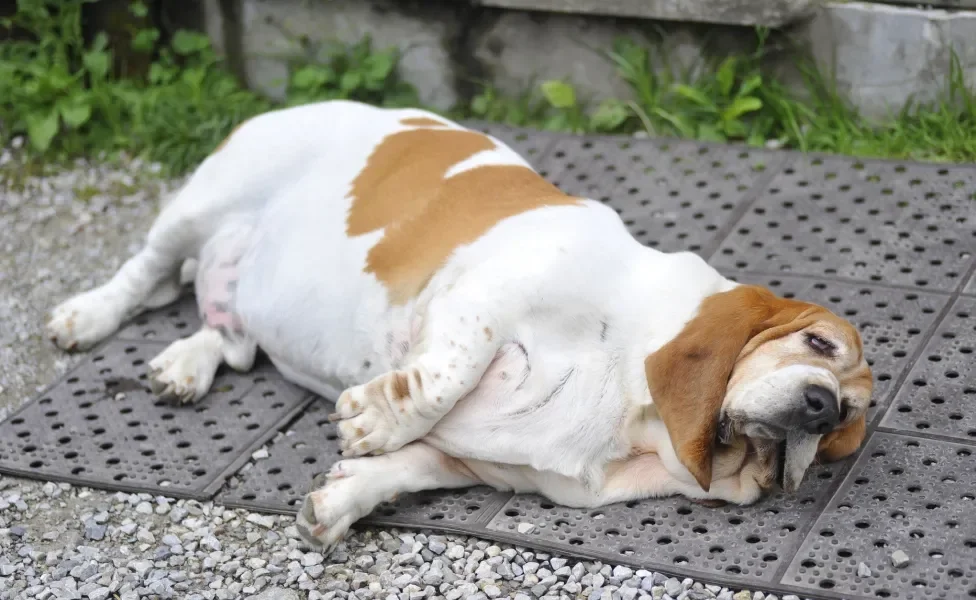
781	464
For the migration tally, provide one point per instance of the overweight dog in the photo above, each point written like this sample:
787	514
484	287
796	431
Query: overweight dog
476	325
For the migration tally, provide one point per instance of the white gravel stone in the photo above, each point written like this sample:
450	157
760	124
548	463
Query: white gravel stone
864	571
899	559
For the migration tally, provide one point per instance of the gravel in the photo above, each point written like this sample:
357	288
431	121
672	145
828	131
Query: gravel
69	230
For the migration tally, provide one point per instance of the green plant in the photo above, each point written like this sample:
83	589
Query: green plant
356	72
53	84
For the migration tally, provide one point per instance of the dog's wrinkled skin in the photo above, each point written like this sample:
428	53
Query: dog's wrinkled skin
478	326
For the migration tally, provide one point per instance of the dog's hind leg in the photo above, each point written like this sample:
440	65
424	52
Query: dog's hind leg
185	370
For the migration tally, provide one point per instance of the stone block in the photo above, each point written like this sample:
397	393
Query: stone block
772	13
518	49
881	55
273	30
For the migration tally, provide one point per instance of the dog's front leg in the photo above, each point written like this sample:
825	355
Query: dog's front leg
354	487
459	339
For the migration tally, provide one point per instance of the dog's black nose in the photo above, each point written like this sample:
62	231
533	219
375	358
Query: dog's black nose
820	411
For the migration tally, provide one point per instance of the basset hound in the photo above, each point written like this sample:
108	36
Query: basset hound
476	325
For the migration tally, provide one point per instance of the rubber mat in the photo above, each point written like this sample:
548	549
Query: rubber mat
888	245
101	426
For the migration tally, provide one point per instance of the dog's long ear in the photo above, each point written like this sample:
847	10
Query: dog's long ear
688	376
843	442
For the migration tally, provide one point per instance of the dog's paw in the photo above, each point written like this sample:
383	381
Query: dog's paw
82	321
184	371
371	423
337	500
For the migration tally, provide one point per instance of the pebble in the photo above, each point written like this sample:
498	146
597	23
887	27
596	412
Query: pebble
266	521
524	528
863	571
899	559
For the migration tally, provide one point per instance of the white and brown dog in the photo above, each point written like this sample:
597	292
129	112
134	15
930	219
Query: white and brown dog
477	325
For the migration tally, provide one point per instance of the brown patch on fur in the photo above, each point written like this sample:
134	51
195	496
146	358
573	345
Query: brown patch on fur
688	377
403	190
422	122
488	333
400	386
843	442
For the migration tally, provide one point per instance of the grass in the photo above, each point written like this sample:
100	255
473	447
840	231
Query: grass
63	95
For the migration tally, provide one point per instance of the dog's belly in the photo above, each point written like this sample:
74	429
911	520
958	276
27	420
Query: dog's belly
527	412
302	295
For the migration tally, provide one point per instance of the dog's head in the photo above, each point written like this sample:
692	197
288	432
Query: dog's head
789	378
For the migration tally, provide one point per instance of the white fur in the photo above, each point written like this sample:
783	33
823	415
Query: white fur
574	304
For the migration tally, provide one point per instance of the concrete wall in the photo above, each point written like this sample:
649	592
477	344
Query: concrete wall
881	54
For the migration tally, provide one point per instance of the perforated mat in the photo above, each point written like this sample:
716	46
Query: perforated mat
890	246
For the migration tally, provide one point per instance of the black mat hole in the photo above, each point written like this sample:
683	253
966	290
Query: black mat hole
753	539
627	551
789	528
827	584
226	449
139	437
826	533
664	540
770	558
716	550
252	426
119	477
937	554
883	594
30	448
612	533
284	487
64	440
249	497
844	553
880	543
77	470
955	573
130	349
274	471
862	524
897	515
648	522
156	467
575	542
680	560
963	452
23	434
308	460
733	569
735	521
916	534
148	452
700	530
201	473
513	513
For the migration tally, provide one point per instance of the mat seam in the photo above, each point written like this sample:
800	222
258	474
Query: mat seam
749	199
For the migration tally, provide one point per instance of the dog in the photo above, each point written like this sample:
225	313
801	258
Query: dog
476	325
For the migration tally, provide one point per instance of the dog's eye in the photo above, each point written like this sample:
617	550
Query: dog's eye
820	345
